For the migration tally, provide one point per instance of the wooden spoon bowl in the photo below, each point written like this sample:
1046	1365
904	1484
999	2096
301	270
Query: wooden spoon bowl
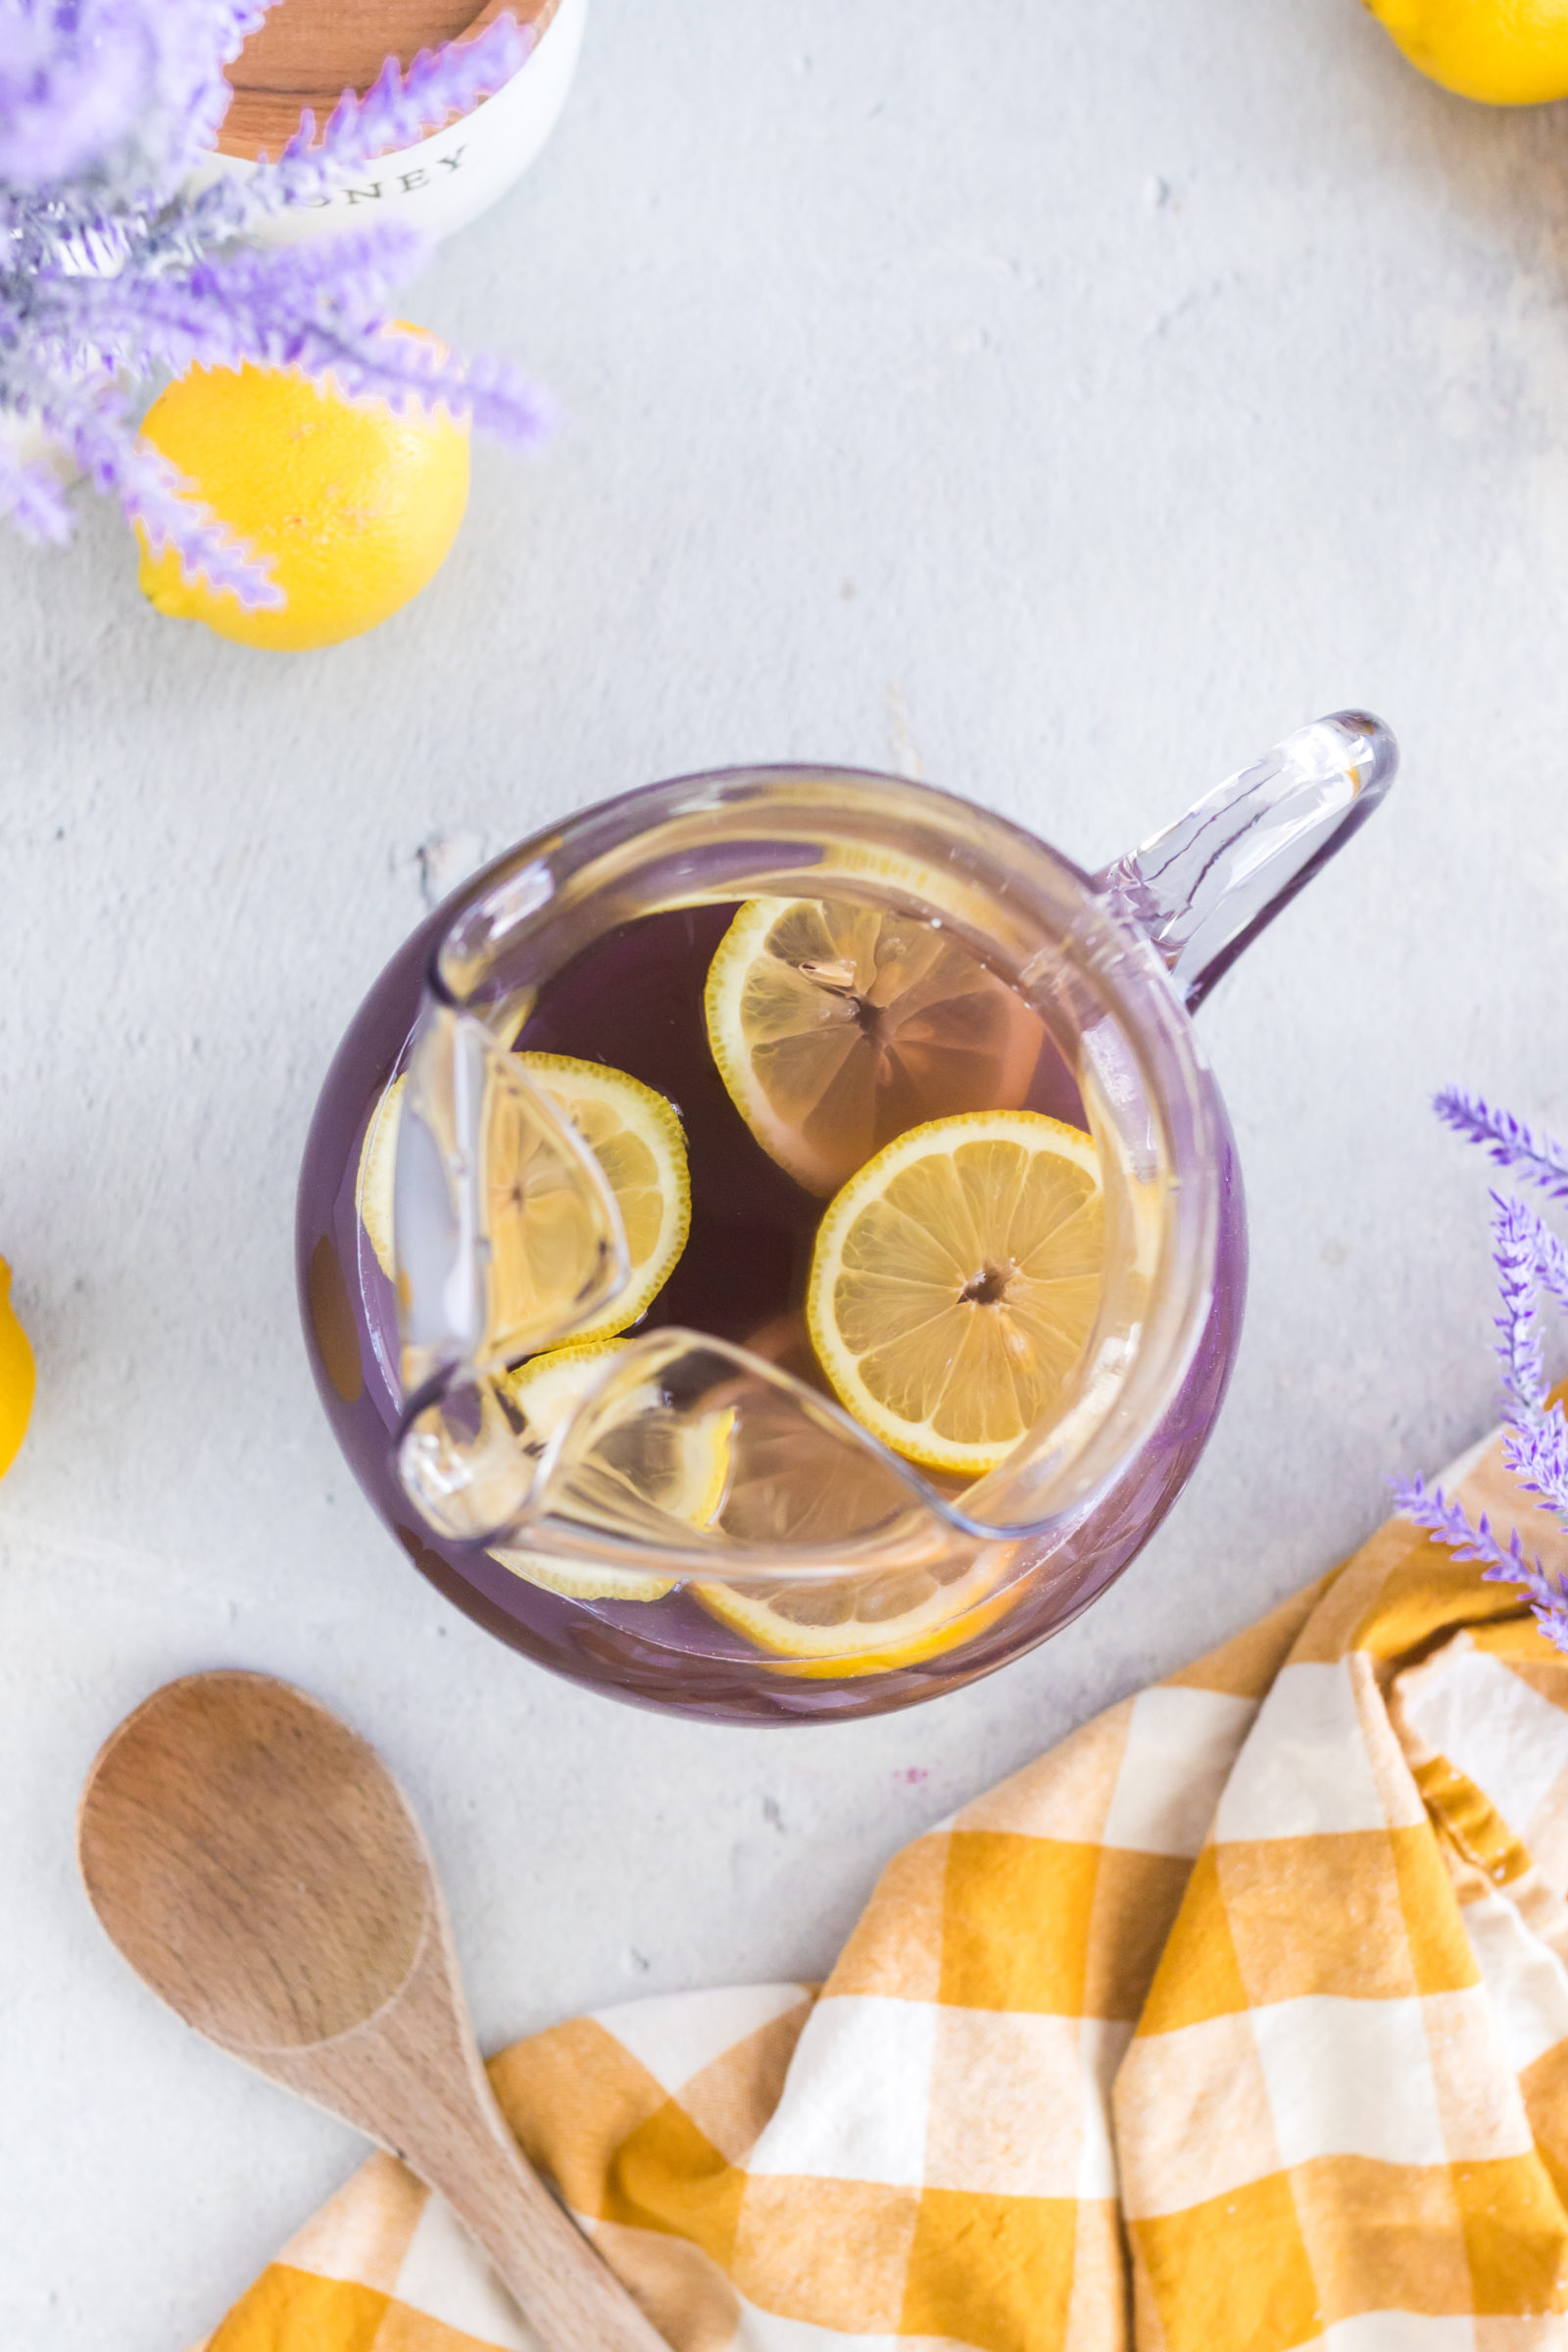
260	1868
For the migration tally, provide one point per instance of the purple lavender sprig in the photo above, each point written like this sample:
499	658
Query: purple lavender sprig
115	269
1510	1564
1506	1141
1530	1260
1517	1234
152	493
31	495
114	93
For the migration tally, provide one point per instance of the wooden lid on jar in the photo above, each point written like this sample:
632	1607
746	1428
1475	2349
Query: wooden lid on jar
308	52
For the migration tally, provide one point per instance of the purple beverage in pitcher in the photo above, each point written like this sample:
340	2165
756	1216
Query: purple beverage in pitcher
798	1057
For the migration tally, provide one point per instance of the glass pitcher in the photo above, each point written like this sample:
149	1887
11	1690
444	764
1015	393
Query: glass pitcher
695	1511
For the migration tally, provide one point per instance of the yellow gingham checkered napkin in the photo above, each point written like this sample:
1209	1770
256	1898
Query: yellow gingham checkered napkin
1236	2023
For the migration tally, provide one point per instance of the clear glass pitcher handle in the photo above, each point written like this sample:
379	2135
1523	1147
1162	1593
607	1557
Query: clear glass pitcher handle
1209	883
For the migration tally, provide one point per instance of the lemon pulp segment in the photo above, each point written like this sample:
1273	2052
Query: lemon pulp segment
633	1132
954	1282
836	1027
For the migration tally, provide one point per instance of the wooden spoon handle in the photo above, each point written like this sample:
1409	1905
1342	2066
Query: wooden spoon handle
412	2079
564	2291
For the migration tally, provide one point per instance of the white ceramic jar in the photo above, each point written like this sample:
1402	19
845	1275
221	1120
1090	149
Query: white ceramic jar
445	182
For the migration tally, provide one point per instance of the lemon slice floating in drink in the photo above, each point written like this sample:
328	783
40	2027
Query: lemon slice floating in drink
677	1465
680	1465
837	1027
954	1282
374	1185
866	1624
633	1133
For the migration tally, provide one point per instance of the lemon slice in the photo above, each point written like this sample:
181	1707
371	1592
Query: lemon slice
635	1135
954	1281
681	1467
374	1185
865	1624
837	1027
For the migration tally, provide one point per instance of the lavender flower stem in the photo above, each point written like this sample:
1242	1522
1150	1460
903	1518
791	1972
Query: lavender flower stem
113	269
1529	1259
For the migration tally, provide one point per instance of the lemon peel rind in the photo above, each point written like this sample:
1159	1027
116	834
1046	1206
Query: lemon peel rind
19	1376
374	501
1480	55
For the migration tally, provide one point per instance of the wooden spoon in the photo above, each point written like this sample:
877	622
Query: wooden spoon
260	1868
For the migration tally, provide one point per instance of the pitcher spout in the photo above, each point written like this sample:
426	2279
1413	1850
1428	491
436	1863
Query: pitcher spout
507	1237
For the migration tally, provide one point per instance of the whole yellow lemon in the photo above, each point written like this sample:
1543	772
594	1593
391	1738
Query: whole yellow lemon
1507	52
18	1376
356	504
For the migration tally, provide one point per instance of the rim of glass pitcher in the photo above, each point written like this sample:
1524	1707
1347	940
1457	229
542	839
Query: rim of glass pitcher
546	882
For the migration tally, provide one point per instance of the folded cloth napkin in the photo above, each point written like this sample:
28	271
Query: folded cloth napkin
1236	2023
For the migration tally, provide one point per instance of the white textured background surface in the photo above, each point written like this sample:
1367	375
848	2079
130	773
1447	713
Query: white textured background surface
1068	400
